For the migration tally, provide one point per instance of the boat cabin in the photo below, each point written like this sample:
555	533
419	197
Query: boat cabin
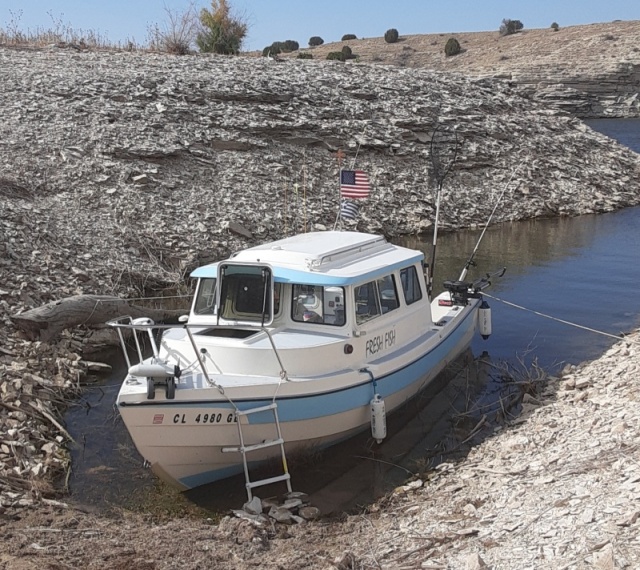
315	280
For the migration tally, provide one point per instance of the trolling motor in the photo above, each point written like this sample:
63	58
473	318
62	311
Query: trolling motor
462	291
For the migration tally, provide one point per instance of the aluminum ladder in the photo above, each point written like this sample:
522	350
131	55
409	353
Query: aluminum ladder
244	449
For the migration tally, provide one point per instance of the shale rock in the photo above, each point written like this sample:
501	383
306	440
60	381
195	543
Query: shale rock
120	172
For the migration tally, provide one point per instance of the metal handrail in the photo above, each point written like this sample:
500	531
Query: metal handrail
283	372
127	322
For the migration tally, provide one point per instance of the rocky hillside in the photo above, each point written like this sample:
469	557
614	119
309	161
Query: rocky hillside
120	171
590	71
116	165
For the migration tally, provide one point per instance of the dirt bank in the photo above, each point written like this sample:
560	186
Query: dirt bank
556	488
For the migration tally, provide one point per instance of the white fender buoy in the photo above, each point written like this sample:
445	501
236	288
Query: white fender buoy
378	419
484	320
158	370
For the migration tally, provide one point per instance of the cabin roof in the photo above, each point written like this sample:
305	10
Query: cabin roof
324	258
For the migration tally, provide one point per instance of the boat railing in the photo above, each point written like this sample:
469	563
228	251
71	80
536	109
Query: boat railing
144	325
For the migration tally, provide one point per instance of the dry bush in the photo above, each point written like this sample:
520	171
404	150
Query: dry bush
177	34
58	33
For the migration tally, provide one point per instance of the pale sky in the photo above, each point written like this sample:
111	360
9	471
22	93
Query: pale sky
279	20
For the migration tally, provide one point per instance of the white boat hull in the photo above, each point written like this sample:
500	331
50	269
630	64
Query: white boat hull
182	438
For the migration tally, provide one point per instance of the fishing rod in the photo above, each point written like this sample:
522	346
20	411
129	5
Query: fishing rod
470	261
443	143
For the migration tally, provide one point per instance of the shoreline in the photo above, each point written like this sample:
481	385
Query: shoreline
555	487
122	172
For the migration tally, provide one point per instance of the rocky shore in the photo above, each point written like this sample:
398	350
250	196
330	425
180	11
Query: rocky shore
121	171
558	487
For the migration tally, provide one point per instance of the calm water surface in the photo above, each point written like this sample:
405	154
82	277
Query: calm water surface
585	270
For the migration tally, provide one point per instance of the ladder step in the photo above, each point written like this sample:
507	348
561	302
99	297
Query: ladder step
272	406
253	447
259	483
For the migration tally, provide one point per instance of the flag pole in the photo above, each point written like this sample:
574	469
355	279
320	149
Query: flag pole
340	155
286	229
304	194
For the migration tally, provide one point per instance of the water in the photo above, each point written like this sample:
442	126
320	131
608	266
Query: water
625	131
584	270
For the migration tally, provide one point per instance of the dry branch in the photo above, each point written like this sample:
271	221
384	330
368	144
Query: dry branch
47	322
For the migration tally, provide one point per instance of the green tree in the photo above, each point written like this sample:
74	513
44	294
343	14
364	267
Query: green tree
452	47
391	36
509	27
221	32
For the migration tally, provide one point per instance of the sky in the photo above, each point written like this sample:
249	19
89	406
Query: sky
280	20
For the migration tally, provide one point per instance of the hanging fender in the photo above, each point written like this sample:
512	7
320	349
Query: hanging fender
484	320
378	419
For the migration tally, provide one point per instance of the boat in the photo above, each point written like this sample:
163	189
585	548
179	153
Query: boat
292	345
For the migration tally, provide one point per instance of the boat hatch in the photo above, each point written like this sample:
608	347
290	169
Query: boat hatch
226	332
245	293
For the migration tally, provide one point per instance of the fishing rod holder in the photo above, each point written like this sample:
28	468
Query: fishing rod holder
462	291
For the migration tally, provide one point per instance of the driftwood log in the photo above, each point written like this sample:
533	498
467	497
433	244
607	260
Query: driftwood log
47	322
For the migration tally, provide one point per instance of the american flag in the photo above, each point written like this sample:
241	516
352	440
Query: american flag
158	418
354	184
348	210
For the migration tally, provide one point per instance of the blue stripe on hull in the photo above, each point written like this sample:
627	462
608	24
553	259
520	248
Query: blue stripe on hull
318	405
309	407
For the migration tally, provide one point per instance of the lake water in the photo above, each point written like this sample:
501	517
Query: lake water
584	270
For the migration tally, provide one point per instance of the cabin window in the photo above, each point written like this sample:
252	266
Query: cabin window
277	295
243	295
375	298
316	304
206	299
410	285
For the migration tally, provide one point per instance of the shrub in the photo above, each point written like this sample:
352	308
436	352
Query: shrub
555	27
305	55
509	27
391	36
221	31
452	47
274	49
290	45
315	41
347	53
348	37
177	34
335	55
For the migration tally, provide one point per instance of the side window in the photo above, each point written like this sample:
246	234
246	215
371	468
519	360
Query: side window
375	298
388	294
367	302
410	285
206	300
277	294
316	304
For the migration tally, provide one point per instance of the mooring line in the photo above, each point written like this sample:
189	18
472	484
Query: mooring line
621	336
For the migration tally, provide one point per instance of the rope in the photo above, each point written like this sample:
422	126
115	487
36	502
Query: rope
620	336
144	298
